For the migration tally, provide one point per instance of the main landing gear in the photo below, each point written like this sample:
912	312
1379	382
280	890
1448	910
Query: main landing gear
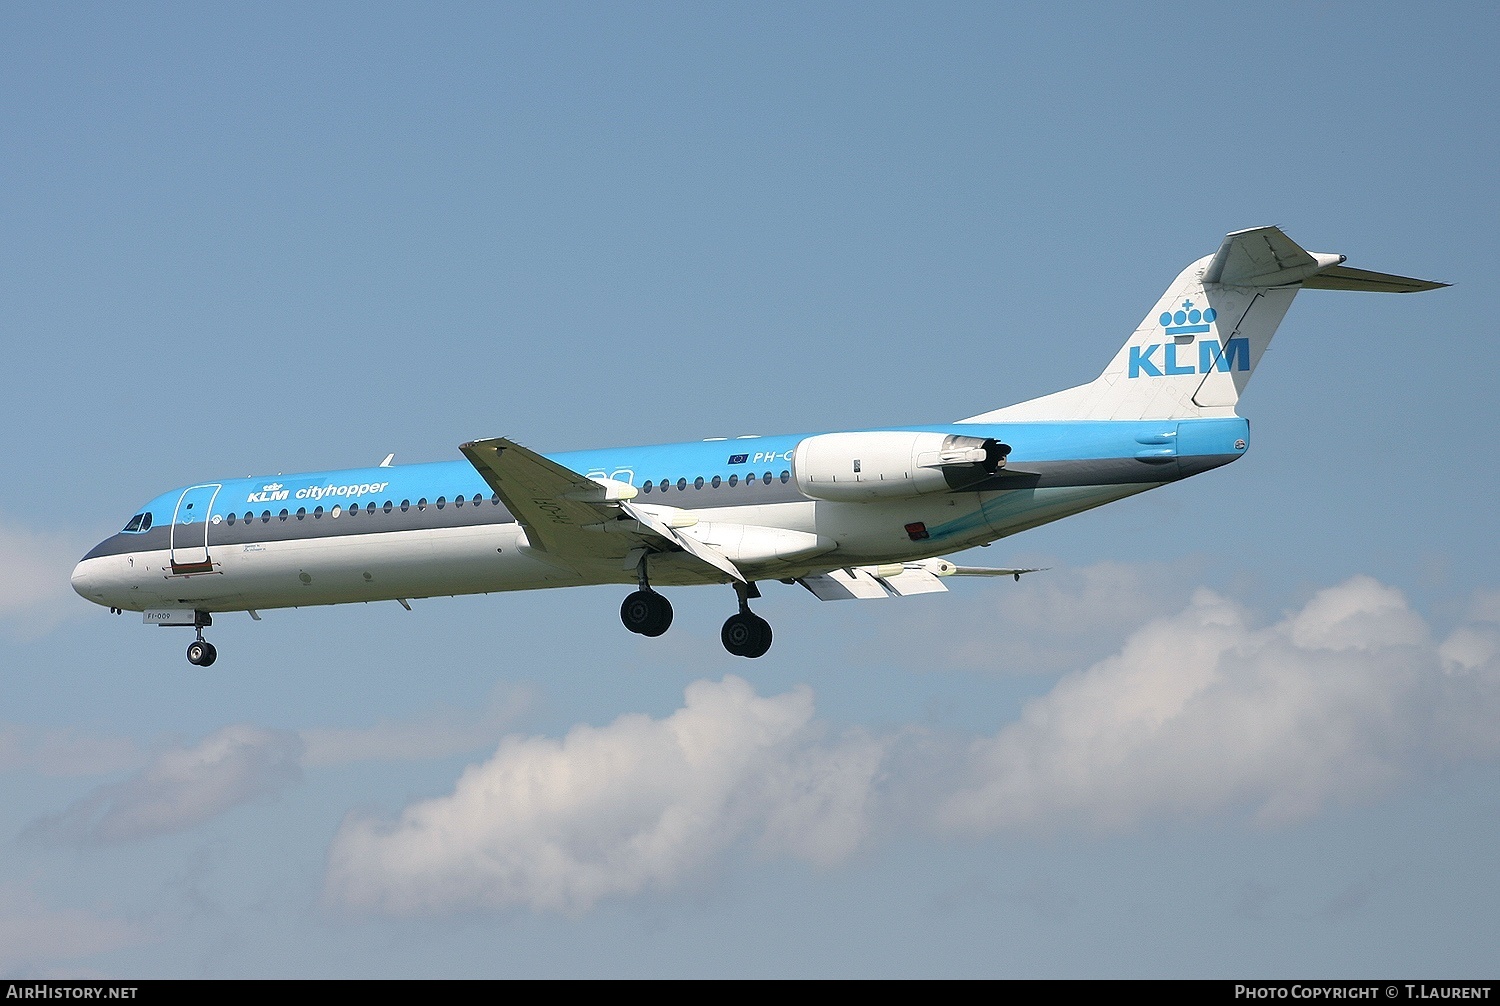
746	634
201	652
646	612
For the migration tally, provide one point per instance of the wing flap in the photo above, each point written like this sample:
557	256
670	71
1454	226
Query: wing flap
913	581
844	585
700	550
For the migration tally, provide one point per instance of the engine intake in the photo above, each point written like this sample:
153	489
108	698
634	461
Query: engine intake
893	464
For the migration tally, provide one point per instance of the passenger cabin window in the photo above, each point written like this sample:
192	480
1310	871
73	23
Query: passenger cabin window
405	505
717	481
734	480
230	518
389	506
422	503
318	513
458	500
440	501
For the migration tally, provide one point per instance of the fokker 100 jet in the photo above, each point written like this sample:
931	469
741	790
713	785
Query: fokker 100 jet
865	514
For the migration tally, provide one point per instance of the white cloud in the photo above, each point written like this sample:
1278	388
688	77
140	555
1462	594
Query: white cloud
35	593
181	787
1202	711
35	938
1471	647
1198	713
1360	614
615	810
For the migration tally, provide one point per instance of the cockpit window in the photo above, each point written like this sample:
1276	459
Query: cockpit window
140	522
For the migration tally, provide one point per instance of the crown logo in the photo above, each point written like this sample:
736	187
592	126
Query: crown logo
1187	320
271	488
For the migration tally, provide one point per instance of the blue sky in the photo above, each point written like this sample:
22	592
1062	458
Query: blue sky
1244	726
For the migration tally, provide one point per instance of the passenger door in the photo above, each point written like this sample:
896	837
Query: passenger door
190	522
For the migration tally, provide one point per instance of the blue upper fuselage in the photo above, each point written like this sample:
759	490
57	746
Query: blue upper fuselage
767	458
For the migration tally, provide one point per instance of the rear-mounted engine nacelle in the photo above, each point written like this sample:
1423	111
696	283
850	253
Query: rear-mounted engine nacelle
893	464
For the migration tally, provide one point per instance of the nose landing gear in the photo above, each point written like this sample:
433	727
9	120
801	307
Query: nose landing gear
201	652
746	634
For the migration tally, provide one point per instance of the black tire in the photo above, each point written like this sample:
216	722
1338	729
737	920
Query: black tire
746	635
212	655
763	638
198	653
646	612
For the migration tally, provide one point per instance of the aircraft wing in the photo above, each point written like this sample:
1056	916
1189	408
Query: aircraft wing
566	514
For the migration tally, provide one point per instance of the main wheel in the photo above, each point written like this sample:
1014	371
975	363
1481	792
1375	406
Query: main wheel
201	653
646	612
746	635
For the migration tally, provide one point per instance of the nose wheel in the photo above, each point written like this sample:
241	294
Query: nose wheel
201	653
746	634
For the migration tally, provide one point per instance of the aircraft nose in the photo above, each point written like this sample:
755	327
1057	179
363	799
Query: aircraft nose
88	581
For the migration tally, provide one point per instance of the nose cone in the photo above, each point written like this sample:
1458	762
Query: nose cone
90	583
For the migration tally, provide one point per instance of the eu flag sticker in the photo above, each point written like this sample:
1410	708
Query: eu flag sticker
738	459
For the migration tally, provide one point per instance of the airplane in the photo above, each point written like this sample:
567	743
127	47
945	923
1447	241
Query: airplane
847	515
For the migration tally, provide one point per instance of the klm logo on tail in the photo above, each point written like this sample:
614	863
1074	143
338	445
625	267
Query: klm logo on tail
1235	355
1189	320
